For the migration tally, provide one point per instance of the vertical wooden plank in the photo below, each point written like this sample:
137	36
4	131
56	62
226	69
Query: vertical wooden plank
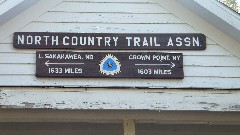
129	127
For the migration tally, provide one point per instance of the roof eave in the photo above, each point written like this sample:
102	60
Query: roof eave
16	10
214	12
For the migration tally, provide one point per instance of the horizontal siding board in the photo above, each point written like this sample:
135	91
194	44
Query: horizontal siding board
18	58
210	51
211	61
108	28
108	18
210	41
121	99
189	71
187	82
109	7
230	72
17	69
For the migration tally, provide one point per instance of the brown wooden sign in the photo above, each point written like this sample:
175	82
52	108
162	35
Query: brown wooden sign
108	41
109	65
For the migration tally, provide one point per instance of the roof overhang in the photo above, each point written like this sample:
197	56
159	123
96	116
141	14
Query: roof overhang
11	8
217	14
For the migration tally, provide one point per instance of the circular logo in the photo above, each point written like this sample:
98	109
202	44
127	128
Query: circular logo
110	65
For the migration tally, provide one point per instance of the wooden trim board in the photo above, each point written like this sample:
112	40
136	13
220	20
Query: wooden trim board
120	99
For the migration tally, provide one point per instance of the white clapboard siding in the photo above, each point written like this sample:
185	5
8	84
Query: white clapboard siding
105	28
210	41
187	82
214	61
198	71
85	7
67	17
108	28
214	67
17	69
220	61
211	50
190	71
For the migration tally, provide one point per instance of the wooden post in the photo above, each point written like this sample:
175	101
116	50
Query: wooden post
129	127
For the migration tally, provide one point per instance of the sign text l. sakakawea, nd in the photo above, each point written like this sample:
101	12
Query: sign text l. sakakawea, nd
148	65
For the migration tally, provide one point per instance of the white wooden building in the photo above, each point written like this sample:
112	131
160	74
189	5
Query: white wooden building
206	101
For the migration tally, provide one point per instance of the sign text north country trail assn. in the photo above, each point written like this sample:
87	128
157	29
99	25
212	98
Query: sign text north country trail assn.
109	41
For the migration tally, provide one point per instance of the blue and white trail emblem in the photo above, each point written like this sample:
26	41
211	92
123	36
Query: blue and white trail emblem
110	65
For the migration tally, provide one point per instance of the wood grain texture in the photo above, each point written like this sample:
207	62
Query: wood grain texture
122	99
129	127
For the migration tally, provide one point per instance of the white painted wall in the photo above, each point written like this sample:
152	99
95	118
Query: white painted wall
214	67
